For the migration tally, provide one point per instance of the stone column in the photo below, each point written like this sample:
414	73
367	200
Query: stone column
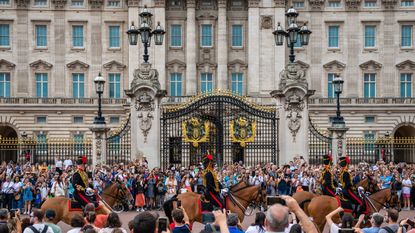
159	55
292	107
146	95
99	145
338	143
222	50
253	48
133	50
191	72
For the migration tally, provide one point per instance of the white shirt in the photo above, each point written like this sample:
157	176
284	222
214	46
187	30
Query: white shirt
17	186
67	163
334	228
7	187
39	227
75	230
59	164
255	229
109	230
58	189
406	190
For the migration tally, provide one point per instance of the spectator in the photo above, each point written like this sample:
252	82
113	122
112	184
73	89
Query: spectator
181	221
7	190
391	218
171	184
25	223
77	222
258	226
58	186
386	180
17	188
131	226
36	218
113	222
49	216
375	221
233	223
139	190
90	219
100	219
4	228
406	191
4	216
145	222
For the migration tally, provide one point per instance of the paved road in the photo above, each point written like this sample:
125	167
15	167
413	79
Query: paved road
127	216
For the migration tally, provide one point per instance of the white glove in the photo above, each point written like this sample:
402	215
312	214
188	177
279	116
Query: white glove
225	190
89	192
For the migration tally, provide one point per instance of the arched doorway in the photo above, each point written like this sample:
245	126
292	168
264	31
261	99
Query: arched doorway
8	143
404	144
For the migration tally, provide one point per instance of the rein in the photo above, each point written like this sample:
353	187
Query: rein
387	205
235	198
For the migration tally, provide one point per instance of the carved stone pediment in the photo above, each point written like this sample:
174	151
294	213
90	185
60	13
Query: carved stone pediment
132	3
206	5
6	64
353	4
366	65
303	65
177	62
237	62
22	3
73	65
316	4
210	15
109	65
407	64
253	3
202	65
59	3
40	64
293	75
160	3
96	3
334	65
389	4
279	3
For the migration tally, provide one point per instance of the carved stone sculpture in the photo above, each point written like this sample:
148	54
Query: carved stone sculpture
353	4
294	105
293	74
146	118
145	76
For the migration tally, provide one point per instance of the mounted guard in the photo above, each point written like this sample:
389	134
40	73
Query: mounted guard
349	191
84	192
328	183
211	183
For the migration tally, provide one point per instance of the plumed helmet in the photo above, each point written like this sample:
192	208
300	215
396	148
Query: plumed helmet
208	159
327	159
81	160
344	161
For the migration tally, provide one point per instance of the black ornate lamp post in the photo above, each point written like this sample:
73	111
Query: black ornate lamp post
338	89
99	88
146	32
292	34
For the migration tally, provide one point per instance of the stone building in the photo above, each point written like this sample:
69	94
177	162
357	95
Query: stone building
51	50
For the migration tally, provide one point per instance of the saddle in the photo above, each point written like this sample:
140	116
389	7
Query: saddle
74	205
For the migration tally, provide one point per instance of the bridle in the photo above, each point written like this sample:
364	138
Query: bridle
387	204
119	196
234	199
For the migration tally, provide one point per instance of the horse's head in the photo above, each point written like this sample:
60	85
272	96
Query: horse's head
394	201
121	192
369	184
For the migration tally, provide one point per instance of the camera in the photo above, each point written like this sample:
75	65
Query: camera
271	200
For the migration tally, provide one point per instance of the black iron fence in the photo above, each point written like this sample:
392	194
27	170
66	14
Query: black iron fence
24	149
319	144
119	144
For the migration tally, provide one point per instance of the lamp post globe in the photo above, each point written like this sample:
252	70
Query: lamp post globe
338	84
133	34
99	88
304	35
145	16
338	89
158	34
292	15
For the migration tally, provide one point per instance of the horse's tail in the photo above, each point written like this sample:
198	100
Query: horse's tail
168	207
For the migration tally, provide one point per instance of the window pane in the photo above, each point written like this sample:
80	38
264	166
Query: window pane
41	35
41	85
206	35
176	35
406	3
370	36
176	84
78	85
115	85
237	83
4	35
114	35
78	36
206	82
330	89
406	36
298	4
333	36
4	2
4	84
237	35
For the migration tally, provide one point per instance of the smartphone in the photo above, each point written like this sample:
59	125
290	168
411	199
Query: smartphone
410	223
271	200
179	203
162	224
346	230
208	218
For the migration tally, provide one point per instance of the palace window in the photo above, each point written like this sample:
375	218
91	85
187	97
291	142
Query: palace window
41	36
237	36
4	2
369	119
370	36
330	86
370	3
41	85
206	83
4	35
114	3
115	85
369	84
334	4
407	3
406	85
78	36
406	35
4	84
40	2
237	83
369	138
114	120
41	120
77	3
114	36
78	139
206	35
41	143
176	35
78	83
298	4
333	36
78	119
176	84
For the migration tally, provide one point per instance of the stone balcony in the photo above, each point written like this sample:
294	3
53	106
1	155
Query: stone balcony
59	101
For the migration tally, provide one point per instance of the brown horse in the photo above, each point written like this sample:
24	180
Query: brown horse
321	206
303	198
239	198
112	194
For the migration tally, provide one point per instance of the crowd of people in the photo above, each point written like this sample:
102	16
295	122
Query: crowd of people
24	187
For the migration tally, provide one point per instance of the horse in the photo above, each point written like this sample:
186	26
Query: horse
239	198
112	194
303	198
321	206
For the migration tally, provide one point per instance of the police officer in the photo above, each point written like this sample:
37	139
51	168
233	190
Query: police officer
328	184
349	191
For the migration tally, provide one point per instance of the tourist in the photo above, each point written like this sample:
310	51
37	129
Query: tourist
234	225
139	190
27	196
181	221
49	216
58	187
7	190
145	222
36	218
171	184
406	192
376	221
77	222
258	225
150	191
113	222
391	218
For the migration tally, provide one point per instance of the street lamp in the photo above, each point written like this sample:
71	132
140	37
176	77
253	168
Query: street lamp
338	89
293	33
99	88
146	32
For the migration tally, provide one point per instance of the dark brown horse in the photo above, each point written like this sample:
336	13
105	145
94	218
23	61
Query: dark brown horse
239	198
321	206
112	194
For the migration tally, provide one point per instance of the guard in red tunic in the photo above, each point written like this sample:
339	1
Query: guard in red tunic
211	183
84	192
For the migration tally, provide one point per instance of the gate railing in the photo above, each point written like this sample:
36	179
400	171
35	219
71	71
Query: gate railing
119	144
39	151
319	144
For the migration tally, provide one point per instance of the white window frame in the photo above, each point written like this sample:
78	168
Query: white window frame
212	36
45	5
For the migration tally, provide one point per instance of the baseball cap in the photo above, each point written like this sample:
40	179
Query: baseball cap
50	214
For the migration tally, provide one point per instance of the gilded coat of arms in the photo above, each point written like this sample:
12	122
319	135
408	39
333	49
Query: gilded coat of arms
242	130
195	131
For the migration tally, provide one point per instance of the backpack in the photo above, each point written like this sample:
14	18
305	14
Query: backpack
388	229
45	229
